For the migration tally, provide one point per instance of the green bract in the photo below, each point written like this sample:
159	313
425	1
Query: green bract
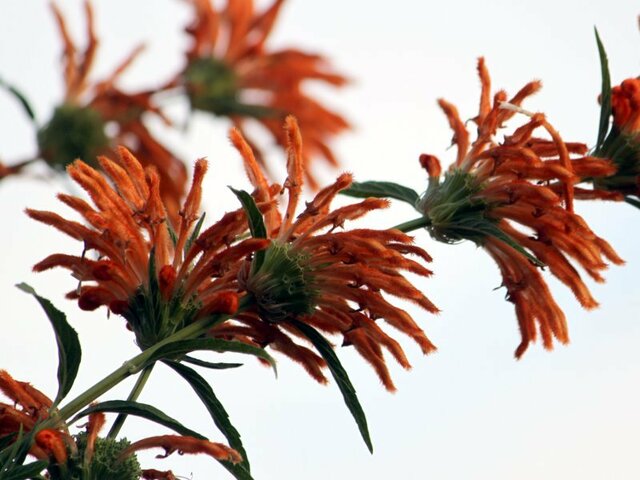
73	132
283	285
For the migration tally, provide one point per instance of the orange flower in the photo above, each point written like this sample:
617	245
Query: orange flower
160	280
184	444
334	281
622	146
231	72
87	451
77	127
625	103
508	197
30	407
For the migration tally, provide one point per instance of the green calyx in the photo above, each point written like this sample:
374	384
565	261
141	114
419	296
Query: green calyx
452	213
283	286
623	150
151	316
73	132
451	209
211	86
104	463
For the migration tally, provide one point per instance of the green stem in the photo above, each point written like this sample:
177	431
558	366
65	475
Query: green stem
411	225
129	368
133	396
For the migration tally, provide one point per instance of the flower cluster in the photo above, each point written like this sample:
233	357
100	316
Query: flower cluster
231	72
622	147
332	280
159	278
86	455
515	199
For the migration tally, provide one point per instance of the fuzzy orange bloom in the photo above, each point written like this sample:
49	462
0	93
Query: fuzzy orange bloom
334	281
231	72
184	444
159	279
31	406
625	103
622	146
514	198
77	127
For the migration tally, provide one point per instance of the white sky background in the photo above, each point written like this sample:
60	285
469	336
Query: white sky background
469	411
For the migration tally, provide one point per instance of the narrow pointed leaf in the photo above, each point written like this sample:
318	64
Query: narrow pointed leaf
210	365
215	408
382	190
24	103
605	95
69	350
256	222
175	350
195	233
24	472
155	415
139	410
340	376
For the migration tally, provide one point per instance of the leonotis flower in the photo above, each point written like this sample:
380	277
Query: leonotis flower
86	455
334	280
159	279
77	126
622	146
514	198
231	72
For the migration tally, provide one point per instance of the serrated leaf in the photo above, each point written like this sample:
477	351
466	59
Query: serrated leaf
217	412
24	103
174	350
382	190
256	222
210	365
340	376
605	95
139	410
69	350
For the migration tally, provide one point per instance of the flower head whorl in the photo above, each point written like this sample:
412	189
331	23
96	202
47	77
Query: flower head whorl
231	72
334	281
77	126
494	188
159	279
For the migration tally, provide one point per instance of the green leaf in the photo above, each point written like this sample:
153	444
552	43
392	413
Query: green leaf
195	233
26	106
13	456
480	227
139	410
211	365
605	95
24	472
69	350
340	376
382	190
256	222
632	201
175	350
218	414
